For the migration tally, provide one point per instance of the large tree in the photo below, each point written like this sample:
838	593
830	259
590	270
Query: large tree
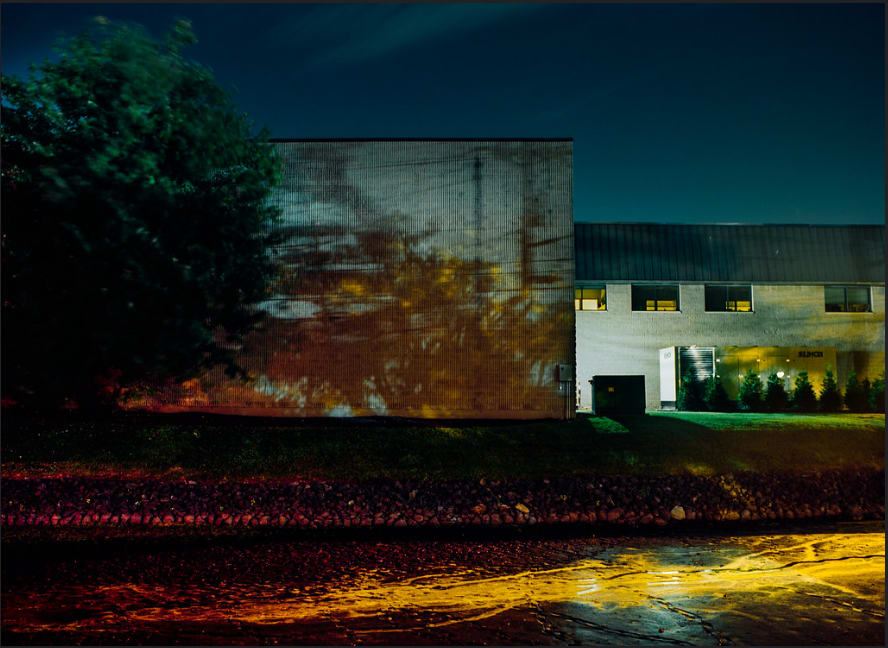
136	222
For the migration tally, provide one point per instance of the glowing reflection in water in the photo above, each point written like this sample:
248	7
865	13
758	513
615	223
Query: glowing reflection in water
686	579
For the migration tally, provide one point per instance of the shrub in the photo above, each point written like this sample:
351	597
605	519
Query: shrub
751	392
803	397
856	394
776	398
830	396
715	396
690	394
877	394
867	389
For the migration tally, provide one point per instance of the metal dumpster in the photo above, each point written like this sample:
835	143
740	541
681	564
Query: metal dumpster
617	395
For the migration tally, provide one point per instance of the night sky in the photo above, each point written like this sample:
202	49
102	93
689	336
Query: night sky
680	113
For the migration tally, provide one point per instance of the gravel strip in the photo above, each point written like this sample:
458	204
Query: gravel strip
626	500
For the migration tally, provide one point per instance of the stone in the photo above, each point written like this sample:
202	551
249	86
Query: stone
614	514
677	513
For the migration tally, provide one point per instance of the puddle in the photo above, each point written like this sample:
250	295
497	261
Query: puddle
817	588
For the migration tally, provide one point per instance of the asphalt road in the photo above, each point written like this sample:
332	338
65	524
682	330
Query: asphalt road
817	585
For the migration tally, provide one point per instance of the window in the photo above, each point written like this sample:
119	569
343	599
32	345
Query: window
729	298
847	299
654	298
590	298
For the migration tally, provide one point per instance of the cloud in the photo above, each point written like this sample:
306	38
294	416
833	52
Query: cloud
347	34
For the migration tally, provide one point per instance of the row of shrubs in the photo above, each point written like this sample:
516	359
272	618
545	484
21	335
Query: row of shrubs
709	395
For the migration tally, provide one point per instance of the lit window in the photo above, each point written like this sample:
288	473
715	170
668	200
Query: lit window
729	298
847	299
590	298
655	298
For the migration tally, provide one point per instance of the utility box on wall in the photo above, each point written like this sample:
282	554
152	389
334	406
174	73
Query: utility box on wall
617	395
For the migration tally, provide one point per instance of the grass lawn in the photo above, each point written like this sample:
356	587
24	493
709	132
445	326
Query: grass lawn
658	443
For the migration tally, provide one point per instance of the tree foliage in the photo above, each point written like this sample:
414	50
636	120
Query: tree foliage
856	393
135	218
830	396
776	398
877	394
751	392
803	397
690	393
715	396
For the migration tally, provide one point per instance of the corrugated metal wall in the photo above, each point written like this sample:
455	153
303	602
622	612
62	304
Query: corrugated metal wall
419	278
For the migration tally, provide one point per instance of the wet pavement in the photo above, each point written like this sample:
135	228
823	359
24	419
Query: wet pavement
820	584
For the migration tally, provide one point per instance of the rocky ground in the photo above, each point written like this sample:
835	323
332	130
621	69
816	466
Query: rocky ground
609	500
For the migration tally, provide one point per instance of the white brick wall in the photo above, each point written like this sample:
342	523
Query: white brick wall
620	341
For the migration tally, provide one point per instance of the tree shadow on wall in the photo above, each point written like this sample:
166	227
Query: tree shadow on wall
416	333
377	317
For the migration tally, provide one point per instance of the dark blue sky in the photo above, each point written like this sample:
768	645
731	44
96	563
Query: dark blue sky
679	113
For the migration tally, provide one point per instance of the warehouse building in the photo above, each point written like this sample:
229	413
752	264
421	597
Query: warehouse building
433	278
657	300
420	278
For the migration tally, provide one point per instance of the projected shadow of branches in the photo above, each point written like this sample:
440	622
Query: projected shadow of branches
379	312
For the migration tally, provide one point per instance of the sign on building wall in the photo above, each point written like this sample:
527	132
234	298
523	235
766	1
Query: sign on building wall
786	362
418	278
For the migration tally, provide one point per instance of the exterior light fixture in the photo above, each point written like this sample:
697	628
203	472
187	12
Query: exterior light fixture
780	374
718	359
740	376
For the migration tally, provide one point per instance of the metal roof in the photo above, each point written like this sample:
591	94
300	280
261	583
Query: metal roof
745	253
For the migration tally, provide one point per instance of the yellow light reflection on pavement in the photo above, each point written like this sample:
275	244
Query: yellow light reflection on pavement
741	580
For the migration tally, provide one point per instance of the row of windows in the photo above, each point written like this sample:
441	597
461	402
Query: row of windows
719	299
